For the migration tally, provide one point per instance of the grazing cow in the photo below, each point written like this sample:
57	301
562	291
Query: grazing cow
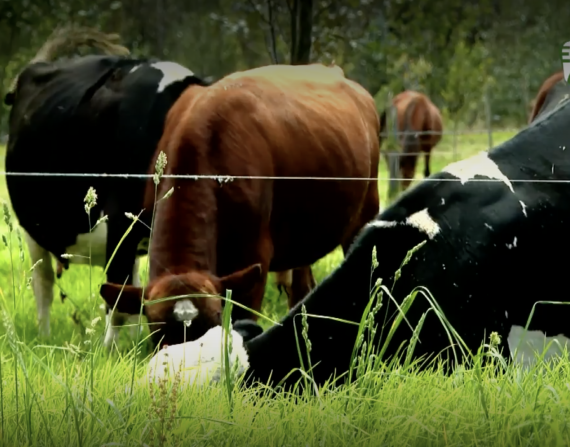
93	114
414	113
555	79
494	247
209	236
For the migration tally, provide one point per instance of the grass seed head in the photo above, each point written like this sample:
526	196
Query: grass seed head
90	199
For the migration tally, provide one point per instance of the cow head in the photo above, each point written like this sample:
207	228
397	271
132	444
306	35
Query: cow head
186	318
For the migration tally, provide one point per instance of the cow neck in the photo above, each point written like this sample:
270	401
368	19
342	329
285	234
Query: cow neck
185	224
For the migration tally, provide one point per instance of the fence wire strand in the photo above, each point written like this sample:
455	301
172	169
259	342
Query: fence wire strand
385	134
230	178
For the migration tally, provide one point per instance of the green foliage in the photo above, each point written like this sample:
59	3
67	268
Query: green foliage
70	391
453	51
467	81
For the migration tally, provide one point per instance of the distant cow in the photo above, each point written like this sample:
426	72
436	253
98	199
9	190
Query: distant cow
414	113
495	239
93	114
209	236
547	85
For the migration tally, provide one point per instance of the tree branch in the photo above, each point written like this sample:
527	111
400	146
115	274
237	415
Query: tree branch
272	37
261	15
323	9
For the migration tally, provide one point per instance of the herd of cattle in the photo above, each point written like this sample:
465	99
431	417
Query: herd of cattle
494	224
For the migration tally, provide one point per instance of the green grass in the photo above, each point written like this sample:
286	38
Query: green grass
69	391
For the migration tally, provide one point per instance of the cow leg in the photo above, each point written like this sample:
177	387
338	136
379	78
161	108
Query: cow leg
297	283
59	269
135	319
126	255
393	163
426	164
408	167
303	283
43	280
254	299
114	320
411	147
59	272
284	282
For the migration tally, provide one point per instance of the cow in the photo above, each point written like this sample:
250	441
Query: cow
494	229
263	124
94	114
553	80
413	113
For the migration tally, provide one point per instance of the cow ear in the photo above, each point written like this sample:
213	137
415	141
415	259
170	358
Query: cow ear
128	299
244	280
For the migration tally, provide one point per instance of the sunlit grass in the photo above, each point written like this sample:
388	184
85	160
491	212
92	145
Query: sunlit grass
70	391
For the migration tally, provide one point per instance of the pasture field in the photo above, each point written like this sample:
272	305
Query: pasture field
69	391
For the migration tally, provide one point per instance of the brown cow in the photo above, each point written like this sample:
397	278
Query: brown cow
414	113
543	91
209	236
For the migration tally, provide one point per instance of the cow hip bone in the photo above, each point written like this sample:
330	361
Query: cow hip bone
198	361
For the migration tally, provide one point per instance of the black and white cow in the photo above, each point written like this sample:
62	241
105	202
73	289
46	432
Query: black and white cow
495	245
93	114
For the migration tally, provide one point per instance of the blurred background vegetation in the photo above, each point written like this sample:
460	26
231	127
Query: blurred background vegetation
480	62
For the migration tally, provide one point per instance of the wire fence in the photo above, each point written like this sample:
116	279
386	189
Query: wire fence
230	178
450	132
455	150
455	153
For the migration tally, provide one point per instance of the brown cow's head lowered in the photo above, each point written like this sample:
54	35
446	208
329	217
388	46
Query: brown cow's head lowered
182	319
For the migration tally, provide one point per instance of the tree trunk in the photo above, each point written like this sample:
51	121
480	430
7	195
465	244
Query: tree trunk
159	37
301	31
272	44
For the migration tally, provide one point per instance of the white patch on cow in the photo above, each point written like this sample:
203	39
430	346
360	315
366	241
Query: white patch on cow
420	220
529	344
184	310
479	164
514	244
423	222
112	330
43	280
200	361
489	226
523	208
136	67
382	224
171	72
96	240
442	201
136	274
113	325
